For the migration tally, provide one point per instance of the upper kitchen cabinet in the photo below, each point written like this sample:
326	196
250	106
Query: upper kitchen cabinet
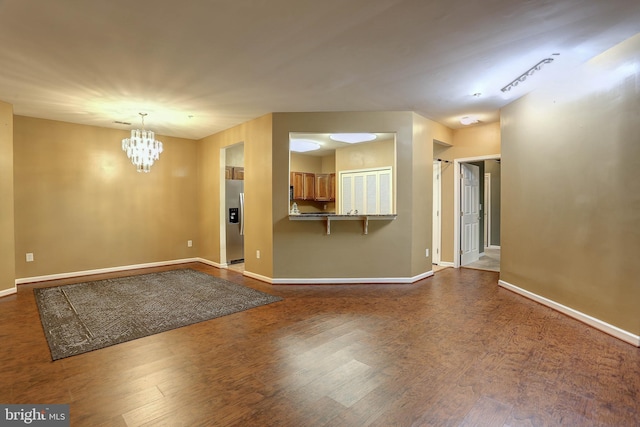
234	162
303	184
234	172
325	187
356	171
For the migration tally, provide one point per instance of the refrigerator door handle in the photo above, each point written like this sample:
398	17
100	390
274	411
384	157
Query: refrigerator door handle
241	214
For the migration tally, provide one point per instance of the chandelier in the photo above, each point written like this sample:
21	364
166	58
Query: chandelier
142	148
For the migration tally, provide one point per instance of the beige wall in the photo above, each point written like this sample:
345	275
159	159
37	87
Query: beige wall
256	136
303	250
81	205
7	242
329	163
375	154
306	163
571	190
422	193
475	141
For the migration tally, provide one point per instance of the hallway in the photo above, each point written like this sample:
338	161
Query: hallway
489	260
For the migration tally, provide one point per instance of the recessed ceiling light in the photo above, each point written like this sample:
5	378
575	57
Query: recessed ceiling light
468	120
303	145
352	138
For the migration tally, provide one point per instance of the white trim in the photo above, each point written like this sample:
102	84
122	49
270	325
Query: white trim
494	247
211	263
222	215
104	270
598	324
258	277
8	292
436	232
350	280
487	210
446	264
456	201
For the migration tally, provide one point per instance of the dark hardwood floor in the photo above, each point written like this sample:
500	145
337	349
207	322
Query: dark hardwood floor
450	350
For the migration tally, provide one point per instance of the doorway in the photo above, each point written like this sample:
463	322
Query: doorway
469	202
470	209
232	206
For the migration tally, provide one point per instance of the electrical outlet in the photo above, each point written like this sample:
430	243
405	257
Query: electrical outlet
258	254
189	243
29	257
426	253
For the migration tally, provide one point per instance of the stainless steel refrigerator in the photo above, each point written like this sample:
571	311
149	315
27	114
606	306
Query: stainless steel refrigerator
234	208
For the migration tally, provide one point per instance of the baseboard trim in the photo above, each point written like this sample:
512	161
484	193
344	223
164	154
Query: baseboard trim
602	326
104	270
8	292
446	264
350	280
258	277
211	263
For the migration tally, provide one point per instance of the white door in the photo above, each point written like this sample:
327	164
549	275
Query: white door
470	212
365	192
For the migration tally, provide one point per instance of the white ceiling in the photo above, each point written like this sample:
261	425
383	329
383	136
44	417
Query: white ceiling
201	66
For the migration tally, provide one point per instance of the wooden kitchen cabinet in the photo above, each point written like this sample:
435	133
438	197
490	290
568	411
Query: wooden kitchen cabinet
303	185
238	173
233	172
325	187
332	187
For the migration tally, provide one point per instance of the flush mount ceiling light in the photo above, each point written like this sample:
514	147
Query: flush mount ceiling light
352	138
469	120
530	72
142	147
303	145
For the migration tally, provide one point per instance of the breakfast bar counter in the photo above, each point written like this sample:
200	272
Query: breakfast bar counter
328	217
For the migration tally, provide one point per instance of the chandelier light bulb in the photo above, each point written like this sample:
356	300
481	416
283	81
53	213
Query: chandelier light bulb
142	148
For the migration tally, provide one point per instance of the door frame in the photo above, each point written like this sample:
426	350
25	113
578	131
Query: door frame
457	170
222	202
437	212
487	210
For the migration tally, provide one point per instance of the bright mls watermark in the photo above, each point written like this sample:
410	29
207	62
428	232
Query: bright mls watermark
34	415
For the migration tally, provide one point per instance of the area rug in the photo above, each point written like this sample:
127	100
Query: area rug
88	316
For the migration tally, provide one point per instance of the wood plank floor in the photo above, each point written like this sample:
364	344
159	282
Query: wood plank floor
451	350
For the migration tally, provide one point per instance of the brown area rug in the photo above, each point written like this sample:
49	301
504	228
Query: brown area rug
88	316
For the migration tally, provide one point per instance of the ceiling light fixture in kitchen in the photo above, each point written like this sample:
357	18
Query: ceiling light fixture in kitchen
352	138
142	147
469	120
303	145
